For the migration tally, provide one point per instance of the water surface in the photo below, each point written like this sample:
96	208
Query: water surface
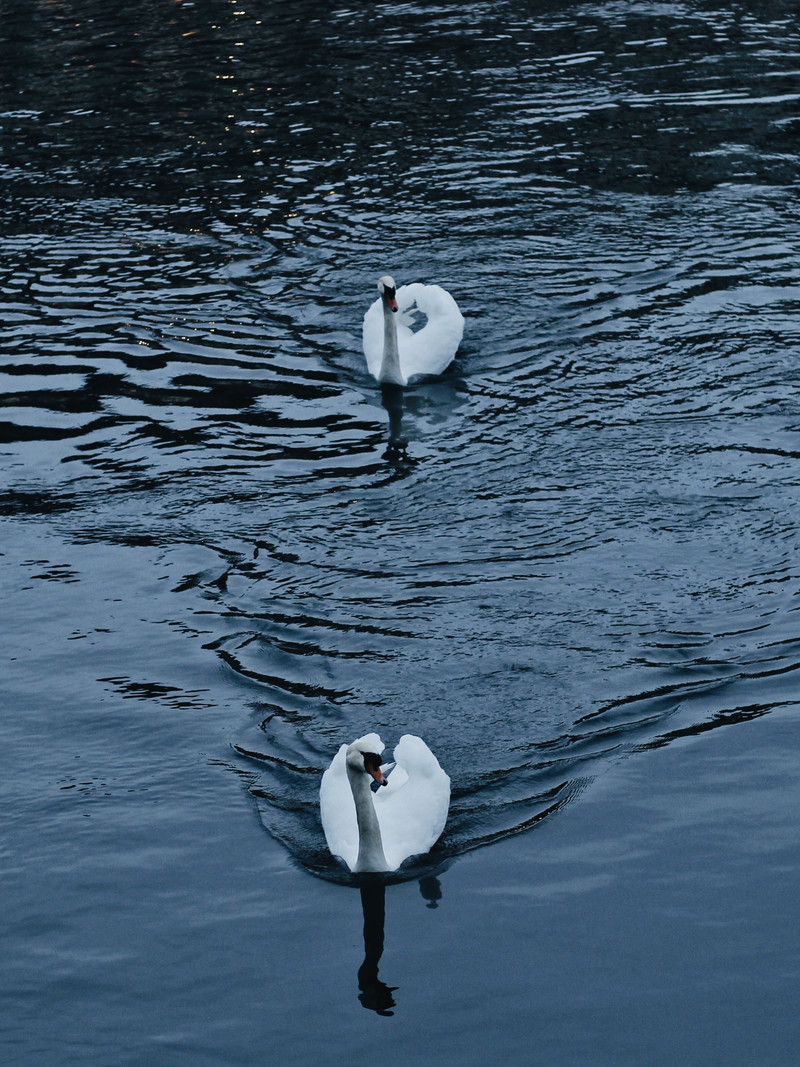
579	585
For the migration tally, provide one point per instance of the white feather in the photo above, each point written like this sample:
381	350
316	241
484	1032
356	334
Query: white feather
429	350
411	809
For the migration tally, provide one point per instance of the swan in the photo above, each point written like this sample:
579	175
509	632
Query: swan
393	350
377	831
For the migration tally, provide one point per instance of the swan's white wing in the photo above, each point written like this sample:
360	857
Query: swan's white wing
430	350
336	805
338	810
412	808
372	337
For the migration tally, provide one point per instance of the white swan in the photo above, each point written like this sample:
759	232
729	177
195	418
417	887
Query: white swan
377	831
394	351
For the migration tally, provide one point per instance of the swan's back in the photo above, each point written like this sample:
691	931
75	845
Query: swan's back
429	350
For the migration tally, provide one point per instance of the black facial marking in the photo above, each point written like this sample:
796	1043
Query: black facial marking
371	762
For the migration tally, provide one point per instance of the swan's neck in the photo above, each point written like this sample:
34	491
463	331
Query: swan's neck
390	364
370	845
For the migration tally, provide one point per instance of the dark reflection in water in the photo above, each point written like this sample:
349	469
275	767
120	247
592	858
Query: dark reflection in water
431	889
219	97
392	398
374	994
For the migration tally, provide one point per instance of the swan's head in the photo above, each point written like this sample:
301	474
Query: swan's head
387	288
362	759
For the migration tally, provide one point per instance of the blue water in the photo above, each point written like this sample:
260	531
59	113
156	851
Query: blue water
579	584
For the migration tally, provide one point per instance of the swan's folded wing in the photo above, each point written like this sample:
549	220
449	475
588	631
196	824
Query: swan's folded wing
412	811
338	810
432	349
372	337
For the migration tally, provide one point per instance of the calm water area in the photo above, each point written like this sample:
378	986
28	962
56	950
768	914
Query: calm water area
580	583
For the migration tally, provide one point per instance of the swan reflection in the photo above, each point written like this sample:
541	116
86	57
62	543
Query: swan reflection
374	994
392	398
431	889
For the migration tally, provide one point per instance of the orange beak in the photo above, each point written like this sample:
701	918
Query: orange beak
372	765
377	774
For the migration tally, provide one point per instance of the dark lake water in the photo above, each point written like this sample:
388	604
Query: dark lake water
581	584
